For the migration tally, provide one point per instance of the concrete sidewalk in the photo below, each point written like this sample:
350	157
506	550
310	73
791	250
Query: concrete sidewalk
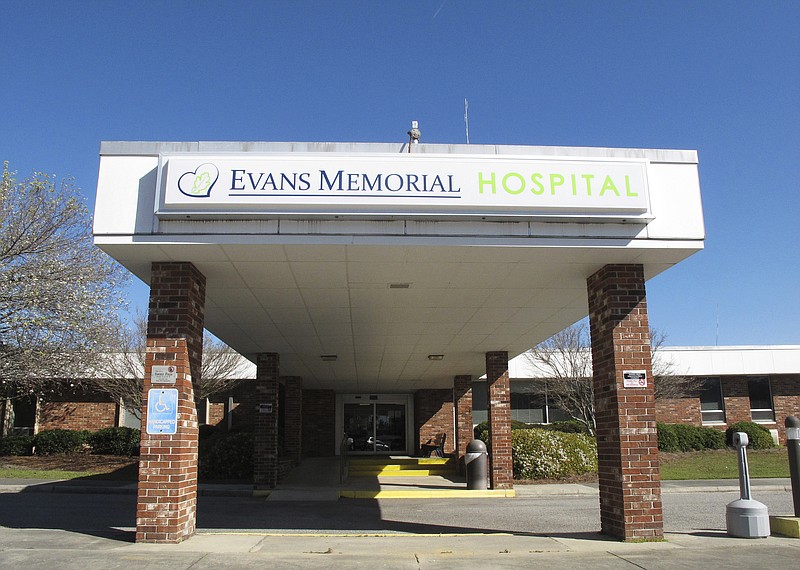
34	549
550	525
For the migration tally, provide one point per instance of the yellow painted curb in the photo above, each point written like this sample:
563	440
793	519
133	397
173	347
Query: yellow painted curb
399	472
429	494
785	526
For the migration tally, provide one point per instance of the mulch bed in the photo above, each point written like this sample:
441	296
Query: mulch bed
70	462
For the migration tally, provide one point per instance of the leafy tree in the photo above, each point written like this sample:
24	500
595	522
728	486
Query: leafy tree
59	294
565	363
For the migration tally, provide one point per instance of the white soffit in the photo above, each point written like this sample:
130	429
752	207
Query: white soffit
383	295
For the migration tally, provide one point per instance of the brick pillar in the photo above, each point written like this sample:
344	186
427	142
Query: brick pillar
265	441
501	475
167	491
462	400
627	442
293	417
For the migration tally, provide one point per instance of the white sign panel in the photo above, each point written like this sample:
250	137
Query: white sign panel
350	185
163	374
634	379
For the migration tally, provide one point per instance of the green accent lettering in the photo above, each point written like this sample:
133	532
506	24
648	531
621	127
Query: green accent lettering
628	191
608	184
588	178
536	179
482	183
518	177
555	180
574	185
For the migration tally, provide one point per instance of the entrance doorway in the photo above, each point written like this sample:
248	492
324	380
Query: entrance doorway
377	424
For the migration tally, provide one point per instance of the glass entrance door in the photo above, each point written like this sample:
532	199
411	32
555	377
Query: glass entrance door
376	427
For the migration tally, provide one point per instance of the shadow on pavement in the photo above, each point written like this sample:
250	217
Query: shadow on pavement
114	516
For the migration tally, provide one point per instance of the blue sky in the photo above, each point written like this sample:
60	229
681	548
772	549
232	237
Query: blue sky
719	77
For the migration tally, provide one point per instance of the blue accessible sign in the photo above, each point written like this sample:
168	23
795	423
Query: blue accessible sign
162	411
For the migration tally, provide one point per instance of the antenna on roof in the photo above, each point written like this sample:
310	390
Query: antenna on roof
466	117
413	134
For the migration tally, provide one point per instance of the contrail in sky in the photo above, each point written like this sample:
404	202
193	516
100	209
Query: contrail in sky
440	8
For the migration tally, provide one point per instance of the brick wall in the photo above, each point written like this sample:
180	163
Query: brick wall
433	416
293	418
501	471
216	412
265	453
786	399
167	491
462	399
90	416
679	411
319	428
627	442
737	399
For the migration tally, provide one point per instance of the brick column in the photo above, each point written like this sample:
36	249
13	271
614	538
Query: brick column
462	400
167	491
265	440
501	475
293	417
627	442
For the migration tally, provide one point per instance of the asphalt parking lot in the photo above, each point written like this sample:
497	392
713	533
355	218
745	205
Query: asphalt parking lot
76	530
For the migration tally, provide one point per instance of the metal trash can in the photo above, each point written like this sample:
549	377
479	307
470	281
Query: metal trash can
477	461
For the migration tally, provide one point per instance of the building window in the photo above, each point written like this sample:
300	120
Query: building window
712	406
761	409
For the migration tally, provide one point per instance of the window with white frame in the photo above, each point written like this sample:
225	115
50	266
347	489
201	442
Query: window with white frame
712	405
761	407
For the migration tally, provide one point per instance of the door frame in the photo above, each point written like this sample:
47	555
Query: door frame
404	399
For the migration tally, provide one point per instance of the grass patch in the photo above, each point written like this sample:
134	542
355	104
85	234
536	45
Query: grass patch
723	464
18	473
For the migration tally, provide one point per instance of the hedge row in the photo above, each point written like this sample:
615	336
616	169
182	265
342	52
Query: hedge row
673	438
560	450
107	441
759	436
680	437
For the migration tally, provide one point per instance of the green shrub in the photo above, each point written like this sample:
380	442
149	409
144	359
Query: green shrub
226	456
759	436
569	426
115	441
16	445
673	438
713	438
481	431
546	454
54	441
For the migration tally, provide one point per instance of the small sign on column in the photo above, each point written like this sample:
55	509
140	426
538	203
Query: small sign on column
634	379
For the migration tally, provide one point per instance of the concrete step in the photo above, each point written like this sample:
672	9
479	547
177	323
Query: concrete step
402	466
411	461
401	472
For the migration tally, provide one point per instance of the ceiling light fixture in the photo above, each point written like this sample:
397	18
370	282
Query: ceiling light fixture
329	358
399	285
435	356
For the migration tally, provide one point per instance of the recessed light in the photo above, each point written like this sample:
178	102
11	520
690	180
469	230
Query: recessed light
435	356
399	285
329	358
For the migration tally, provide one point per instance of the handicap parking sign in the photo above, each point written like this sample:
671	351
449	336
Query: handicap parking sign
162	411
